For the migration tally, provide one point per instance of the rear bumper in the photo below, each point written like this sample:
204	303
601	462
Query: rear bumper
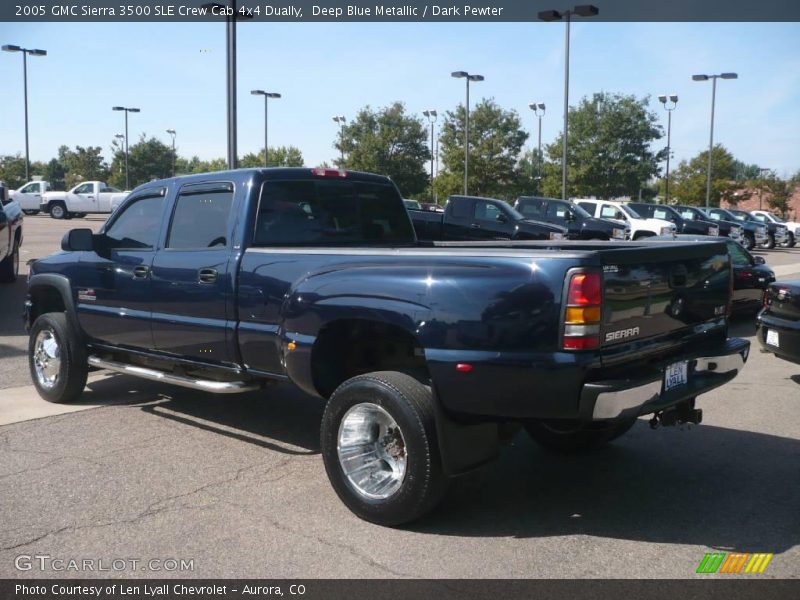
576	385
645	394
788	336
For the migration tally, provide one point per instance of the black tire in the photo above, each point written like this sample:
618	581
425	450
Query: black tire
770	243
58	210
9	267
79	215
790	241
30	211
410	404
71	371
569	436
748	241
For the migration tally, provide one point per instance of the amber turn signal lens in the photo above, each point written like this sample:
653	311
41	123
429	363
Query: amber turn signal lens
579	314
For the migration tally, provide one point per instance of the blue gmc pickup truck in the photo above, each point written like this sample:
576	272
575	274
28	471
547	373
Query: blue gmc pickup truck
428	354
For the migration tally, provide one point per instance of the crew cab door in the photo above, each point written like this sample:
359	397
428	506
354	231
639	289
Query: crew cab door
112	283
83	198
458	219
490	222
193	277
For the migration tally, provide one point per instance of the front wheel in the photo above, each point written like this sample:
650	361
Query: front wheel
58	211
770	243
571	436
380	448
789	243
30	211
57	359
748	241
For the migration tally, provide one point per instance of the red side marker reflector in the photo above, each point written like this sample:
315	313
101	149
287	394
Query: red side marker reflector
463	368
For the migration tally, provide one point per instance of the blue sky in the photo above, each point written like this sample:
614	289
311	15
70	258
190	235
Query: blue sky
175	72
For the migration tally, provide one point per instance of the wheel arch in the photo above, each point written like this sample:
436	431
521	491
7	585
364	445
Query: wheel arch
48	292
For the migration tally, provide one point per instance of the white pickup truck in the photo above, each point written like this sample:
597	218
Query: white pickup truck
86	197
619	211
29	196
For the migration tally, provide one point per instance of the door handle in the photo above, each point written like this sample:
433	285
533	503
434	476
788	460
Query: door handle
207	275
141	272
90	197
475	226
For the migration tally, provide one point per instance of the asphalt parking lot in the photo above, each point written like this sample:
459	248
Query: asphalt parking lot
236	484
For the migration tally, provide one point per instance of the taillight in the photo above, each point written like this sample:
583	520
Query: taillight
323	172
583	312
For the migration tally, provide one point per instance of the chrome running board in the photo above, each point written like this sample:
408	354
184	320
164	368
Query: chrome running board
206	385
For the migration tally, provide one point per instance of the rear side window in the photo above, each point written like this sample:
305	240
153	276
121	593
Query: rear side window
460	208
329	212
200	219
531	208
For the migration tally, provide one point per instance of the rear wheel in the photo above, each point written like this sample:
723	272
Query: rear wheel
30	211
380	448
569	436
9	267
58	210
57	359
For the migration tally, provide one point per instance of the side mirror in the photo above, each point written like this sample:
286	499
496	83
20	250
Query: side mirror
502	218
759	260
78	240
569	216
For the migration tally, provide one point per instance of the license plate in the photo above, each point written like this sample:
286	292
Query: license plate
556	236
675	375
773	339
713	231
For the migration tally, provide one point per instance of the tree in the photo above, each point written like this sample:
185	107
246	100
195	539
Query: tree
282	156
609	153
83	164
148	159
688	181
496	140
12	170
389	142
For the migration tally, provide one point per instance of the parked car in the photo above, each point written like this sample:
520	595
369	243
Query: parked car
729	229
753	233
412	204
472	218
751	275
778	325
683	225
86	197
618	211
579	223
227	281
793	227
11	218
29	196
776	234
431	206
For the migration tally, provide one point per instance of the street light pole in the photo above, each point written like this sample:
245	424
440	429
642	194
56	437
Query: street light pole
341	121
267	96
25	52
431	115
583	10
536	107
664	99
173	133
713	79
127	110
468	77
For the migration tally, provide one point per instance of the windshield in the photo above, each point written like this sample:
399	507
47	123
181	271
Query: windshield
740	215
630	212
580	211
513	212
774	218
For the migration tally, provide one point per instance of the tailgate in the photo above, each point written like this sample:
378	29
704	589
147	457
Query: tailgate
784	300
655	290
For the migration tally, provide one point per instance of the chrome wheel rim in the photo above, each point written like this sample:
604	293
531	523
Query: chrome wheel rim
372	451
46	358
57	212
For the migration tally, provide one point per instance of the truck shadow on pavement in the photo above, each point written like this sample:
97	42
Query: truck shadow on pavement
279	418
711	486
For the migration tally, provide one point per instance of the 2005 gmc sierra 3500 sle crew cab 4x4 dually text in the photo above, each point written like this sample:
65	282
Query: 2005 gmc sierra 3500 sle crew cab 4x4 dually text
427	353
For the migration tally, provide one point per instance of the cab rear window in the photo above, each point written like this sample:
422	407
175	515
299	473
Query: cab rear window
330	212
